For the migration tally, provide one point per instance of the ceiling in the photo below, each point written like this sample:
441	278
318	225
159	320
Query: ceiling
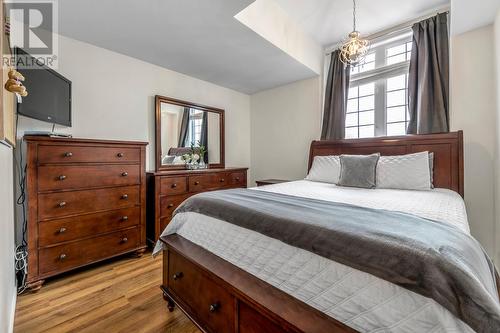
469	15
329	21
200	38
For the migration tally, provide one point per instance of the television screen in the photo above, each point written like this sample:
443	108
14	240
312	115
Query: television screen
49	94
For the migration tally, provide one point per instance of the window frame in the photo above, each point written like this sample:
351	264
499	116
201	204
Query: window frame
379	77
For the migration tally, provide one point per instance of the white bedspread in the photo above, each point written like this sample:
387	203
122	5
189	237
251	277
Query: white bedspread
360	300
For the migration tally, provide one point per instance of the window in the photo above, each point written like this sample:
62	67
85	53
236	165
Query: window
195	122
378	95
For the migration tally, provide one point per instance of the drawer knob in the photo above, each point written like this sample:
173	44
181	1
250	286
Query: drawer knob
124	174
214	307
170	205
62	204
68	154
174	185
62	256
62	177
124	239
237	179
222	180
125	218
125	196
197	183
119	155
62	230
178	275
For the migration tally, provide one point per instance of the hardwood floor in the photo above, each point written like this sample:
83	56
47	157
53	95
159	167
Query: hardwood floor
119	296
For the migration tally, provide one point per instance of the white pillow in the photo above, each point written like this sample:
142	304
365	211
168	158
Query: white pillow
404	172
325	169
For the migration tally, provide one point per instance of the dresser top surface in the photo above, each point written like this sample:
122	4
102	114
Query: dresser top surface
52	140
195	172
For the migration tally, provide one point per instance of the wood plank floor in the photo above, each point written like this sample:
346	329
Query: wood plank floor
119	296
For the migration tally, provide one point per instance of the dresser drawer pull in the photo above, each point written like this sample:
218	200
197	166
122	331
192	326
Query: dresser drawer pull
124	240
174	185
237	179
125	218
62	177
197	183
62	204
125	196
68	154
170	205
214	307
124	174
62	256
222	180
178	276
119	155
62	230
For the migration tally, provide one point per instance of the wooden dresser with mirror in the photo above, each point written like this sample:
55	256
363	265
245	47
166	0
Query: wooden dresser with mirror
181	128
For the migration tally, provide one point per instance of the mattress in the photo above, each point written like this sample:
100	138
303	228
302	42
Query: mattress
360	300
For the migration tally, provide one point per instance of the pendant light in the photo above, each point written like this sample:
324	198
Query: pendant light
354	49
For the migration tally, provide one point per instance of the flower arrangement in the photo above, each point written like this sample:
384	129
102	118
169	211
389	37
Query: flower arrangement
195	159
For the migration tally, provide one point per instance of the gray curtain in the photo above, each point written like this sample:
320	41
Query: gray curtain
428	81
204	134
183	135
337	89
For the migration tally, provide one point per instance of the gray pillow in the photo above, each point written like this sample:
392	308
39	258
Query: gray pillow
358	170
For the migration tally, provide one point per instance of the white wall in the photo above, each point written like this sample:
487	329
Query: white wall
271	22
472	98
7	247
497	160
113	98
284	122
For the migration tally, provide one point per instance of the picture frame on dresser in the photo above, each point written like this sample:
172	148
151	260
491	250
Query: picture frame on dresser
86	203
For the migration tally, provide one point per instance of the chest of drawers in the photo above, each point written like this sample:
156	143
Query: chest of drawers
86	203
168	189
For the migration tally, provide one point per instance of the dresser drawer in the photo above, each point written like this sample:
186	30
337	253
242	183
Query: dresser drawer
173	185
169	203
67	256
208	182
86	154
210	302
67	229
53	205
57	177
238	178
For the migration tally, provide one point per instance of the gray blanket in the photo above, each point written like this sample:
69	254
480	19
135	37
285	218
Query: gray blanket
428	257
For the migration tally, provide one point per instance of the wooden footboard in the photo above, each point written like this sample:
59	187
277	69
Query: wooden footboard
220	297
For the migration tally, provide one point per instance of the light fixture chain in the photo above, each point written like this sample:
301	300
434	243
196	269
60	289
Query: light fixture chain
354	14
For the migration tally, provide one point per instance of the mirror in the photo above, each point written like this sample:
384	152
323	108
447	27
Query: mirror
184	128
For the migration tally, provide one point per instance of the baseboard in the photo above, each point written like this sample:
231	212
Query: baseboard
12	313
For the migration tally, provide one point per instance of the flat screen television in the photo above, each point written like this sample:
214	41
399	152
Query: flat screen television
49	94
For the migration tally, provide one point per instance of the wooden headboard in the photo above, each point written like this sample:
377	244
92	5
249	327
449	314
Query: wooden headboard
447	148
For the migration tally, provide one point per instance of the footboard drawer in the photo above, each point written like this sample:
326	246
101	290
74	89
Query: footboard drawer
209	302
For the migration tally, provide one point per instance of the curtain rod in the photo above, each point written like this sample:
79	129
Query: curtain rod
395	29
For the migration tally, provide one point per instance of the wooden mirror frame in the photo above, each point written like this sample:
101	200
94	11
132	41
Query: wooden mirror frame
162	99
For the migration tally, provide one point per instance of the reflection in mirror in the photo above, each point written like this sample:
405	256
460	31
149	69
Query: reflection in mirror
185	127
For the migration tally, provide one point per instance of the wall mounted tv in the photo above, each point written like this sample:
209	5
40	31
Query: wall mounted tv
49	93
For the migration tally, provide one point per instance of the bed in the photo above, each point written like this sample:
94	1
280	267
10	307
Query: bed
227	278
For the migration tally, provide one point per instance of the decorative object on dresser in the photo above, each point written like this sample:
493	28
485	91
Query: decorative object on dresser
86	203
168	189
270	182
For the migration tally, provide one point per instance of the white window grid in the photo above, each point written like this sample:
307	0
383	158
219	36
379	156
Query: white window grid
371	109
